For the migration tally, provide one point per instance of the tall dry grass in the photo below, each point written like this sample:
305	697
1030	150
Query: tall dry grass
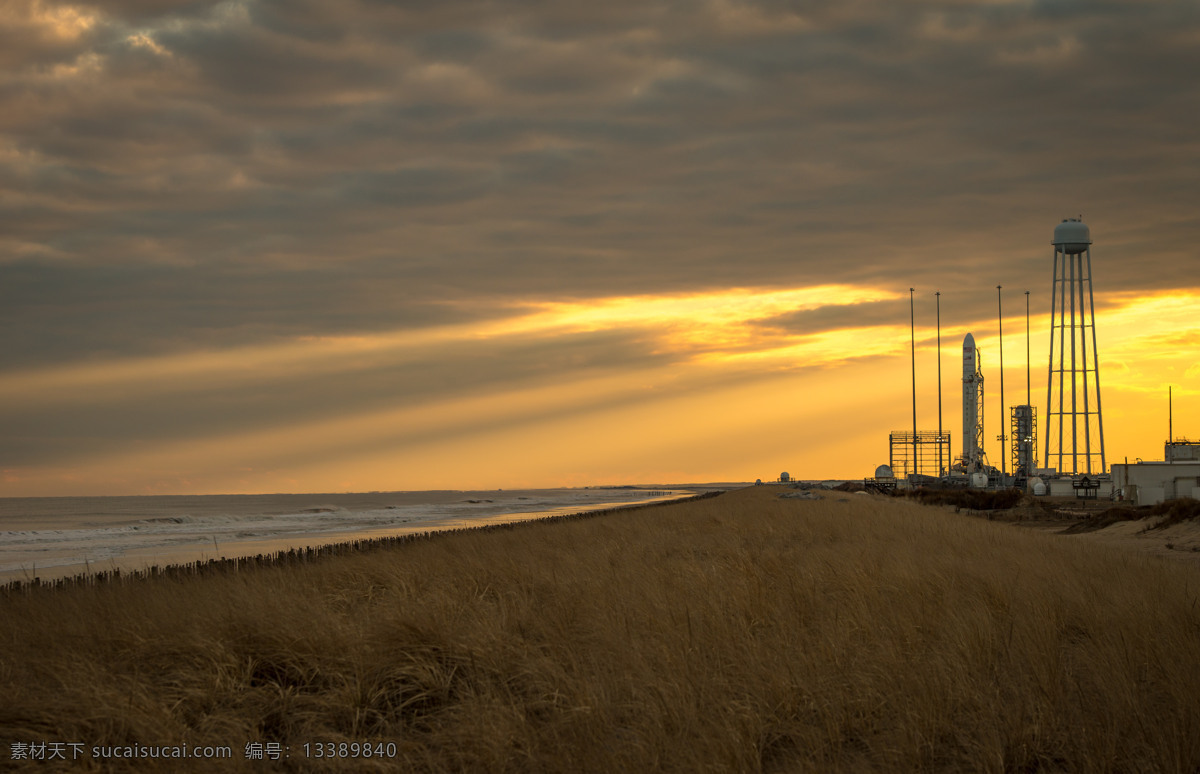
741	633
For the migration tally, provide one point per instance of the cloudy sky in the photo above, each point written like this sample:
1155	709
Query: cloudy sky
255	246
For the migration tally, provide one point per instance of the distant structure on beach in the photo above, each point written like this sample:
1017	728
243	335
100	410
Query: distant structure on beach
1074	425
1074	455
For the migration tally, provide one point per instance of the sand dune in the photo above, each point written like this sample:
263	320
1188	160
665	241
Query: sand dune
746	632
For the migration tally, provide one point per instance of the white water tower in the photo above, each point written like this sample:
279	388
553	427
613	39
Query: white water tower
1074	425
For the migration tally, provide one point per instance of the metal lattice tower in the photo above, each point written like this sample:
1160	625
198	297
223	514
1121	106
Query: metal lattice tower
1023	426
1074	425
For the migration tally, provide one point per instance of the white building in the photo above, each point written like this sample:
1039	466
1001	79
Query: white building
1150	483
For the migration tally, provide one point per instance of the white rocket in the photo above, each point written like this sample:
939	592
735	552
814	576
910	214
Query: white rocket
972	399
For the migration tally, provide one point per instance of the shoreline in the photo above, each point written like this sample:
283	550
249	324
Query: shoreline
110	533
275	551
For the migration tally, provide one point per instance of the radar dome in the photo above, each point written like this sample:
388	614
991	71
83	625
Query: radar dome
883	471
1072	236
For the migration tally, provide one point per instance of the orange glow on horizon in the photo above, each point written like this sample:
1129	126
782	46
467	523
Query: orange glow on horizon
706	321
731	397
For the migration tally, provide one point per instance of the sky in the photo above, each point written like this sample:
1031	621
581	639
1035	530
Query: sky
254	246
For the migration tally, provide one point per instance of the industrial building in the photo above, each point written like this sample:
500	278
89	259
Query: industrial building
1150	483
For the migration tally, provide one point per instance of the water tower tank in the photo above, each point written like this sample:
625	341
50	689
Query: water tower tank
1074	421
1072	236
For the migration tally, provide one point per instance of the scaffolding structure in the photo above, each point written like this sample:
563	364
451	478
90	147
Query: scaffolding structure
923	453
1023	431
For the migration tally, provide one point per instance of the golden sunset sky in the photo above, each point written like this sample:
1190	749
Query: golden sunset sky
299	247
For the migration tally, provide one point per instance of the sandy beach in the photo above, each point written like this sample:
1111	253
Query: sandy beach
1085	521
1178	542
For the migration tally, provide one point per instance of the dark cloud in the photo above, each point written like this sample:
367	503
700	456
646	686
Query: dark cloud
840	316
235	403
194	174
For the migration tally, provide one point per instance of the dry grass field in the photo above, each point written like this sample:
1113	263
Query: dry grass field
740	633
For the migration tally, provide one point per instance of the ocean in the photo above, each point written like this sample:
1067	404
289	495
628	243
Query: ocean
50	537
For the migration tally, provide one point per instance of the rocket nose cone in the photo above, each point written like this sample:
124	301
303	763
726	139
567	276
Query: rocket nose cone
969	341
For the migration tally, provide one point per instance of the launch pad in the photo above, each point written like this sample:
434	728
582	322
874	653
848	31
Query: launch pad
1073	435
